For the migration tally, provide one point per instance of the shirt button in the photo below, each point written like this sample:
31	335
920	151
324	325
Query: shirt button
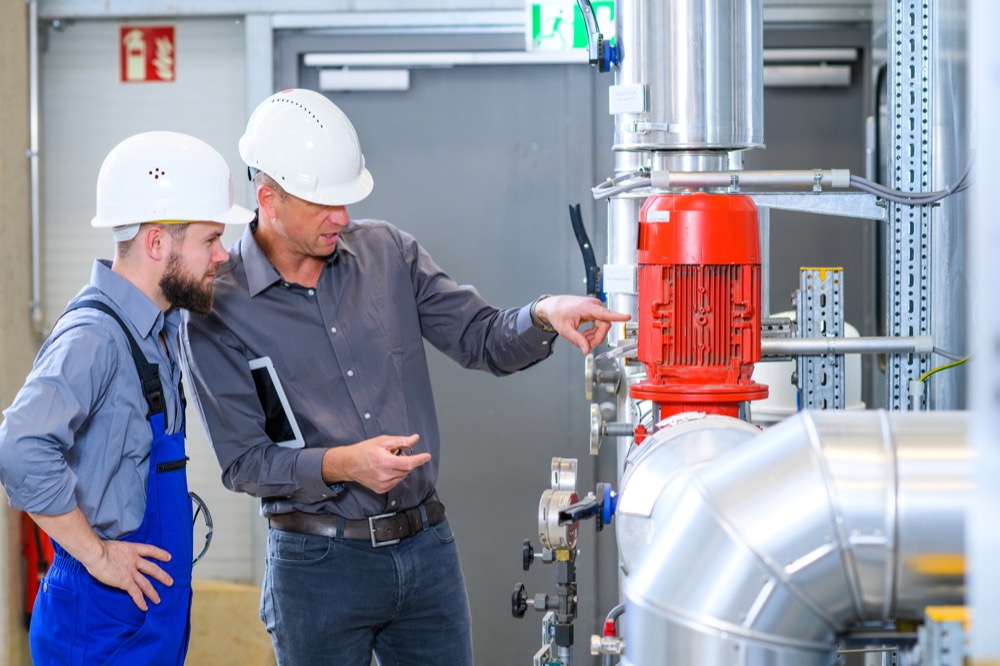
367	415
392	503
286	284
312	291
333	329
350	373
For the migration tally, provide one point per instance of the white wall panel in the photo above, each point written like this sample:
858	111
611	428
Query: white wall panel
87	110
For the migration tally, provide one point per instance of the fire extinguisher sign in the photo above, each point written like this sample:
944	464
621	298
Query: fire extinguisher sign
147	53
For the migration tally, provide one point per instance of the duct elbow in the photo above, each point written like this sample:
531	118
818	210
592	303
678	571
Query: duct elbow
770	552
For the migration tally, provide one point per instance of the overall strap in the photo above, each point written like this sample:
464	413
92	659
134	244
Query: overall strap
149	374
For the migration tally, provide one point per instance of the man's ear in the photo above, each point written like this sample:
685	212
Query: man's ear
265	200
155	242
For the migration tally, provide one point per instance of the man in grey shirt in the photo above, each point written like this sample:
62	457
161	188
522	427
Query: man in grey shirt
92	447
360	555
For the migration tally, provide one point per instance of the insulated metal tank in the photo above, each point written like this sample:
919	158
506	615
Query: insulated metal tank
691	75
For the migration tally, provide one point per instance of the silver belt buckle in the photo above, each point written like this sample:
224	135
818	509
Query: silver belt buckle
371	529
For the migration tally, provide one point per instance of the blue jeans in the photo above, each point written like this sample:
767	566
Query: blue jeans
338	601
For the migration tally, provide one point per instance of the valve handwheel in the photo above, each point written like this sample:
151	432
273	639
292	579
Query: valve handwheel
518	601
527	554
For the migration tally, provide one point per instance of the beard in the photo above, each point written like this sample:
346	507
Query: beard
183	290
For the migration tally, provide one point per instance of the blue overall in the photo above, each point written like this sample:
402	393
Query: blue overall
79	620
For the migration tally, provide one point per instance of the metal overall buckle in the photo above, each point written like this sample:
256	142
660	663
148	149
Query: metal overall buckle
371	528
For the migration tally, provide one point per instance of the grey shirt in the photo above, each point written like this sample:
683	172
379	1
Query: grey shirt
350	356
76	434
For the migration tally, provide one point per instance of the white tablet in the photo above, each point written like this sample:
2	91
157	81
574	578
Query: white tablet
279	421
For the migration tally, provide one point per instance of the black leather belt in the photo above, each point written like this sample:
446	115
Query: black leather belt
383	530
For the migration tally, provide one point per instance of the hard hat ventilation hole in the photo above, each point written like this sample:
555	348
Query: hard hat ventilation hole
156	173
313	115
301	106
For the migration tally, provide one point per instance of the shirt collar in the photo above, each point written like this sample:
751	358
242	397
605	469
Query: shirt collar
344	246
261	273
134	305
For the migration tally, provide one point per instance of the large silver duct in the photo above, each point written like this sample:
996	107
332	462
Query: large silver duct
770	552
681	444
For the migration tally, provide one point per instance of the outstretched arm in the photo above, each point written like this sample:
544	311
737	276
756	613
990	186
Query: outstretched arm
566	314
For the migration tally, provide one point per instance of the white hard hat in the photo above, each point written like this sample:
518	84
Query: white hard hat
308	146
164	177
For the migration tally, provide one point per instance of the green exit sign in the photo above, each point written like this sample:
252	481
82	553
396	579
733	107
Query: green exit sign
558	25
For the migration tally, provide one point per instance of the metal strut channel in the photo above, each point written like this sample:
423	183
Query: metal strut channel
820	305
908	239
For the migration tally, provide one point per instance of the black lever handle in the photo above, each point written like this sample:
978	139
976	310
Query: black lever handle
589	260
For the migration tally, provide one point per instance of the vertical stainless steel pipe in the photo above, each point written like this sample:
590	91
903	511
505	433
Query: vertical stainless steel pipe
698	65
34	75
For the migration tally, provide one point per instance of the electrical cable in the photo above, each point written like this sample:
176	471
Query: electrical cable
610	188
953	364
947	354
913	198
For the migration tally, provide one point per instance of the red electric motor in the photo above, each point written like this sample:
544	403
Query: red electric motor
699	303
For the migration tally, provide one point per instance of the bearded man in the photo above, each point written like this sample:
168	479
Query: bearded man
93	445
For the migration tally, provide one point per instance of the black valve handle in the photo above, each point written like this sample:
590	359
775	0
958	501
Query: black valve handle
518	601
527	554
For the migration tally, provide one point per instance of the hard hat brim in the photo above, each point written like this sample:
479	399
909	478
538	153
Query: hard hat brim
235	215
342	195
